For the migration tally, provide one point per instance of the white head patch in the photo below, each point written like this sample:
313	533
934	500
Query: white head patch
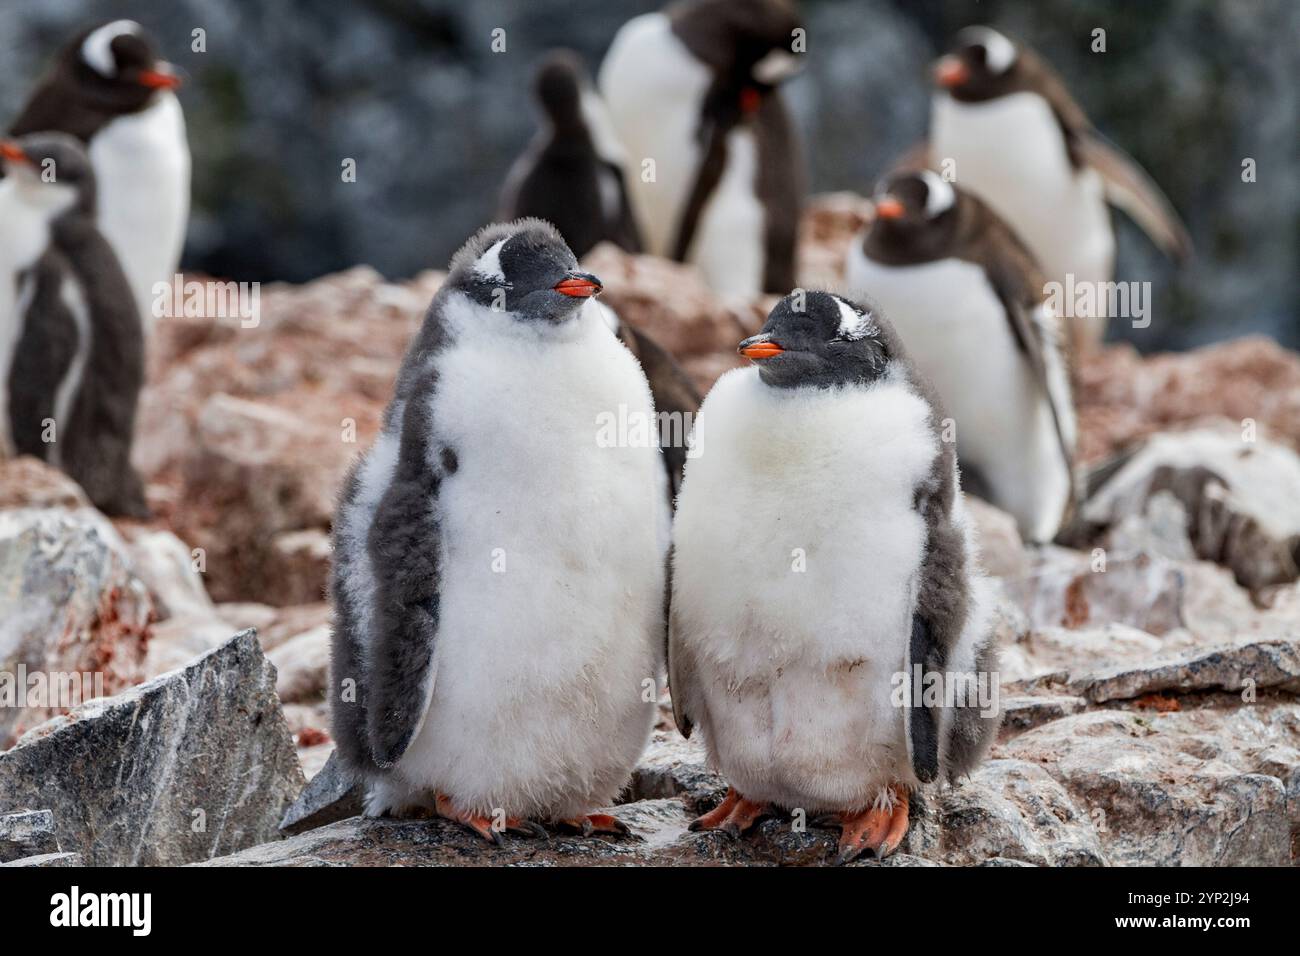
96	49
489	264
999	52
939	196
854	325
776	66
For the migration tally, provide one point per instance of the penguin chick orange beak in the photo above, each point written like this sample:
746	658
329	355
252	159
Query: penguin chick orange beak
580	285
889	208
12	152
950	72
160	79
759	347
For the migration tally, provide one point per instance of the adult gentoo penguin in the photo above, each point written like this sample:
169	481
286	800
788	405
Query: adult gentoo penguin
498	579
1025	146
109	89
73	350
571	175
713	159
849	563
967	299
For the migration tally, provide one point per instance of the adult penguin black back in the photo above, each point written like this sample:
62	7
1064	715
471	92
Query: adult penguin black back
111	90
572	174
1020	141
78	363
716	171
957	283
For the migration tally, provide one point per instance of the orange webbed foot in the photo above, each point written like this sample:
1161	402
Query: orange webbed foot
733	816
597	823
879	829
484	826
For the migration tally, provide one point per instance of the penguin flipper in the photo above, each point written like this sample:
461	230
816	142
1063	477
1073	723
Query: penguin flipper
681	669
942	603
1130	188
404	549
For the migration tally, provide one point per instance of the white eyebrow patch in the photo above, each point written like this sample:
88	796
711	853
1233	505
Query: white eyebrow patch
939	196
96	49
999	52
489	264
854	325
775	66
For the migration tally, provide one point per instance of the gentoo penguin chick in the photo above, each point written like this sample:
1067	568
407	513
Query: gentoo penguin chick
72	347
968	301
110	90
713	158
849	563
571	175
1022	143
674	394
499	575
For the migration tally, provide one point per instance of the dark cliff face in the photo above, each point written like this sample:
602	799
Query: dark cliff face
413	92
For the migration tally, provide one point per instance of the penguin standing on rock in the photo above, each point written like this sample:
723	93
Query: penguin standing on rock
850	571
71	344
572	173
1021	142
499	574
716	175
110	89
957	283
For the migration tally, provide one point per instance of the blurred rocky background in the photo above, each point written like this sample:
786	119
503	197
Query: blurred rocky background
412	91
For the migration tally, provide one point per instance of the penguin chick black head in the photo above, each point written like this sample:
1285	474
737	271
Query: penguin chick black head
917	217
51	171
981	65
820	340
524	268
115	67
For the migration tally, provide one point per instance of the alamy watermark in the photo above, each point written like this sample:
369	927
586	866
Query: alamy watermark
635	429
54	689
208	300
1110	300
979	689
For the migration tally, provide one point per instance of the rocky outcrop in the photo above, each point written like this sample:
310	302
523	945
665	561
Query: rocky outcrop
74	617
27	833
190	765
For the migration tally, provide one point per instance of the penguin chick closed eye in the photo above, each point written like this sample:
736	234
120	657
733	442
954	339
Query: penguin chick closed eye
850	568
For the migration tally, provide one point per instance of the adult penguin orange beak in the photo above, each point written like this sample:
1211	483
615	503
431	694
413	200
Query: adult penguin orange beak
580	285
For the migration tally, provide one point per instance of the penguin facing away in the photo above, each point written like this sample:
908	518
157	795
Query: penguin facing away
572	173
850	562
74	344
957	283
693	94
110	89
499	577
1023	144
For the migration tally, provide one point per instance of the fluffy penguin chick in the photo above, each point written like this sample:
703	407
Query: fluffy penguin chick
957	283
71	341
498	580
824	481
1020	141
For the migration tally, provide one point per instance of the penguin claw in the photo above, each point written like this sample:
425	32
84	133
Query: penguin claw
879	830
733	816
597	823
529	828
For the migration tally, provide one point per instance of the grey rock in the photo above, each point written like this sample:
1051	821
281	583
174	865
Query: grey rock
1265	664
1026	711
1176	789
27	833
49	859
187	766
330	796
1236	501
302	663
74	617
672	766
